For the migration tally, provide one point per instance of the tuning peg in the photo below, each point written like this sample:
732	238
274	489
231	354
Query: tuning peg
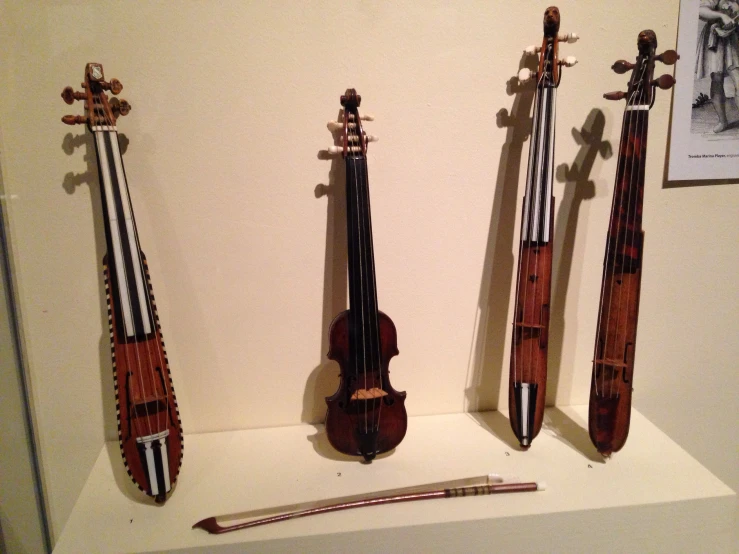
569	61
119	107
69	95
622	66
568	37
367	117
618	95
524	75
74	119
531	50
335	149
668	57
113	86
664	82
371	138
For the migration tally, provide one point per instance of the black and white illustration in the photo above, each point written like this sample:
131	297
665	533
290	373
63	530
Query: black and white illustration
705	119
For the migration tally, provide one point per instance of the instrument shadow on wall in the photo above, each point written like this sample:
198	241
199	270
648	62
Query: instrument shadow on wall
485	372
577	187
324	378
71	182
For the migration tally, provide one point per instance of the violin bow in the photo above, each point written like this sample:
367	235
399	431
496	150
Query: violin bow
474	486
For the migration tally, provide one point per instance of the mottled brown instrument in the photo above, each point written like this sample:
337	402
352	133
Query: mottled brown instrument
528	371
365	416
149	430
613	362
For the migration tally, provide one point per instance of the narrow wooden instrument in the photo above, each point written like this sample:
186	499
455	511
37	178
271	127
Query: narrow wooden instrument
365	416
149	430
528	372
490	484
615	339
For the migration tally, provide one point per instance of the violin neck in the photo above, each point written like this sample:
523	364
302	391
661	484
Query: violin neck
626	213
363	311
537	205
129	289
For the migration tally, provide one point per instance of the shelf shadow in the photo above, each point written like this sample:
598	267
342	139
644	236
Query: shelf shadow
499	426
578	188
564	429
486	359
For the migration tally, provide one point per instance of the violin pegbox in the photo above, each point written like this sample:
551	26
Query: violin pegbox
550	64
354	140
98	108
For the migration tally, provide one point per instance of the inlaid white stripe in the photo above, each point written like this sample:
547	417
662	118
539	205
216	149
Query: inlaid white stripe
530	172
165	463
637	107
152	469
540	169
125	301
524	413
125	200
550	168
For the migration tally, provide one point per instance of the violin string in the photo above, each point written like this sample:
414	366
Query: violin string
638	199
628	145
104	161
547	132
158	350
358	260
123	186
518	327
374	309
619	174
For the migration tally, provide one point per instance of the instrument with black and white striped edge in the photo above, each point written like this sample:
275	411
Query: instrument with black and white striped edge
528	371
149	429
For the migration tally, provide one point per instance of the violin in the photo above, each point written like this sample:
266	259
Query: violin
615	340
528	370
365	416
149	428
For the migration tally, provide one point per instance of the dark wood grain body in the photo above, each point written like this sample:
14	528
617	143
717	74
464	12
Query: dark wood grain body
342	420
531	326
615	343
141	373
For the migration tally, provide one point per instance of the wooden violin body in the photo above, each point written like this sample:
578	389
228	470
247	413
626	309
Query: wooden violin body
149	428
366	416
528	369
346	413
613	361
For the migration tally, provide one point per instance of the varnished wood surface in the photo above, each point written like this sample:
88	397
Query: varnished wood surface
343	416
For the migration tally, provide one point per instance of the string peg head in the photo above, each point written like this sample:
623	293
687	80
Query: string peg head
74	119
367	117
569	38
622	66
618	95
524	75
664	82
569	61
335	126
113	86
668	57
371	138
69	95
119	107
531	50
335	149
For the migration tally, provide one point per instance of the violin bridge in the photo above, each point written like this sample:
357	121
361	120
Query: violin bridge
364	394
154	448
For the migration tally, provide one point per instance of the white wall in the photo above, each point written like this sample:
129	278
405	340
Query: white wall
230	102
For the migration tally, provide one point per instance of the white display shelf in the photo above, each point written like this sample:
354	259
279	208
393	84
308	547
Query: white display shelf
651	497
